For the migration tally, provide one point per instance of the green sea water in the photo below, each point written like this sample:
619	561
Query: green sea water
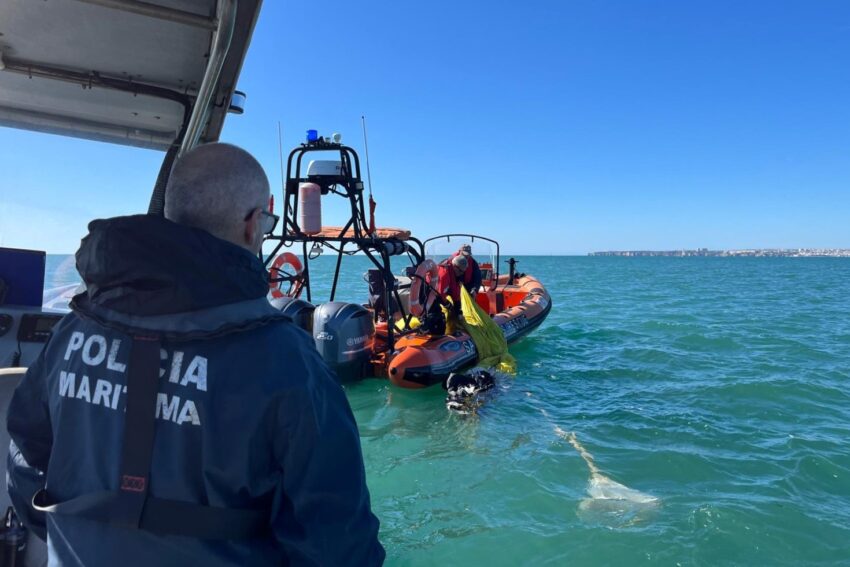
716	386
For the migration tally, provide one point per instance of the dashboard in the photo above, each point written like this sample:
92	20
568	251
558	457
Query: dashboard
23	332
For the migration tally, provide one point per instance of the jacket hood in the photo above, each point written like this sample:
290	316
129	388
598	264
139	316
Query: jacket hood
145	265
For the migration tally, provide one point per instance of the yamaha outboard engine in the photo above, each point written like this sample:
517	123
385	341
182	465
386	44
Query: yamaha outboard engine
377	289
300	311
344	333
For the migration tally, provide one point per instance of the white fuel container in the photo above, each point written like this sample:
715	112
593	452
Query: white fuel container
310	208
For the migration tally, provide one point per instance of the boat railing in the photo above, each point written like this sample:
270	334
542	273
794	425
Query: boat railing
471	238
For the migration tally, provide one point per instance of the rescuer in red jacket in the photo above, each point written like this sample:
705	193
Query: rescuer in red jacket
451	272
472	276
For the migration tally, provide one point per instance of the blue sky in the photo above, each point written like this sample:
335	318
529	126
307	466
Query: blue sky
555	127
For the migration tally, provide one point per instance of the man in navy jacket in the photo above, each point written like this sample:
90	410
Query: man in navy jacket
247	415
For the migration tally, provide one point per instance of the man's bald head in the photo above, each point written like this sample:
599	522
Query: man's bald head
214	187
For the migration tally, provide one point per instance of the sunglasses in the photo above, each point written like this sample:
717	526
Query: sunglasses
270	220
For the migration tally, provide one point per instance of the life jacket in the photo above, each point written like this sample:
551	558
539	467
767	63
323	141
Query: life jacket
448	282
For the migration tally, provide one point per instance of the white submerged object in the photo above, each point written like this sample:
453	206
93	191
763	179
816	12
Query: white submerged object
609	502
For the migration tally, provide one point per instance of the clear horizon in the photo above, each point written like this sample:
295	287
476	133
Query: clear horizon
556	128
506	255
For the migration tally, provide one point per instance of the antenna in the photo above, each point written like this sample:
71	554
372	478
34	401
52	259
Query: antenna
280	151
366	146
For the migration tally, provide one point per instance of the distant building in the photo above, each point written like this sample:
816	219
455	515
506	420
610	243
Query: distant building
757	253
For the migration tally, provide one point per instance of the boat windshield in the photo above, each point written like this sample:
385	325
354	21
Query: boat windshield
484	250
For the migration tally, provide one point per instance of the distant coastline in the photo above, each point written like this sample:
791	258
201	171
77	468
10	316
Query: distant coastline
751	253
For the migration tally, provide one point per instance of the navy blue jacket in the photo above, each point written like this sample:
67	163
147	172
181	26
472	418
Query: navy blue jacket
248	415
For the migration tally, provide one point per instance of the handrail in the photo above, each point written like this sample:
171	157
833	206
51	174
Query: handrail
158	12
472	237
226	14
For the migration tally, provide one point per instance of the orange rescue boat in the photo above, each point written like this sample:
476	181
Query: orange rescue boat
518	305
396	334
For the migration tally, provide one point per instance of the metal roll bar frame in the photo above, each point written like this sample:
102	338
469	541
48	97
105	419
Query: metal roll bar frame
353	237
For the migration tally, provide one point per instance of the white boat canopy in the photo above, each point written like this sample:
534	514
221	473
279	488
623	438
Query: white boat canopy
123	71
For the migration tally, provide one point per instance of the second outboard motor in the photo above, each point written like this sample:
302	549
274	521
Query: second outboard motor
375	279
344	333
300	311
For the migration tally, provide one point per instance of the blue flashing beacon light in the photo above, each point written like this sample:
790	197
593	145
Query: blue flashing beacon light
312	135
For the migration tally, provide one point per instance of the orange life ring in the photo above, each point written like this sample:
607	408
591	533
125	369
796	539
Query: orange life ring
297	281
426	272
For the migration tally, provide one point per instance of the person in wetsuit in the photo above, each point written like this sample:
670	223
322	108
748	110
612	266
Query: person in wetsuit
255	451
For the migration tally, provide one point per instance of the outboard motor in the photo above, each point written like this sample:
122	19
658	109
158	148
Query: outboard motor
375	279
403	285
300	311
377	289
344	334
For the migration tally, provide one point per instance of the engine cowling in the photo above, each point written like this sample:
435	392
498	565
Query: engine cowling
300	311
344	335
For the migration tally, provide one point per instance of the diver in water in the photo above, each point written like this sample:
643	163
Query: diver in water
174	416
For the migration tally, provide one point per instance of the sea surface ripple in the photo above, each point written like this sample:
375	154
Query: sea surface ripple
718	386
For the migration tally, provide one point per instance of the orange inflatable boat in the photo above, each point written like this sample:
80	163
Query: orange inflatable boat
517	306
400	332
